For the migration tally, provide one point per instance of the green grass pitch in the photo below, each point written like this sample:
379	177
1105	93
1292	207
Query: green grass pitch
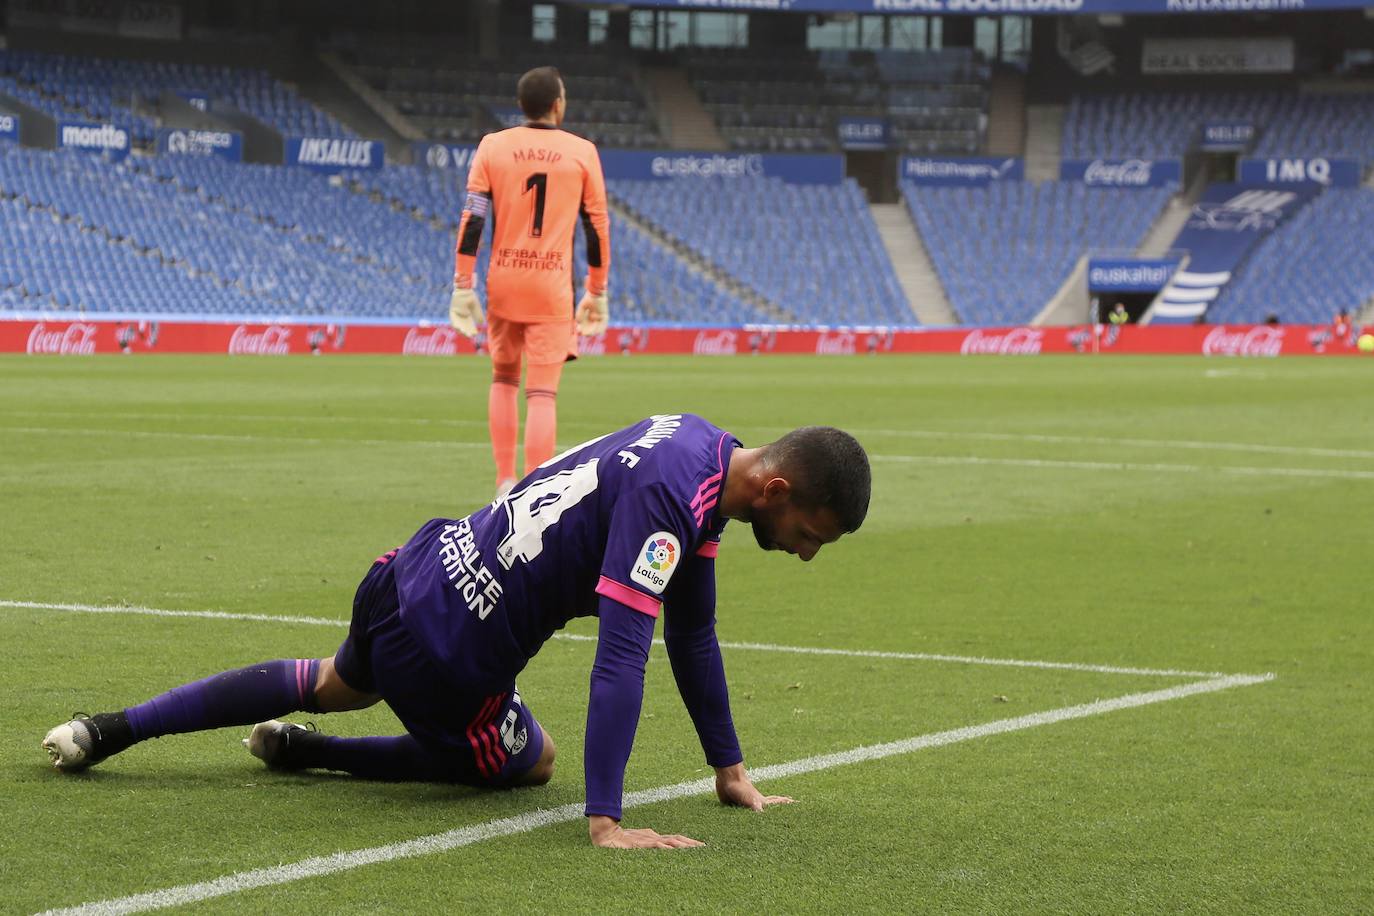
1160	513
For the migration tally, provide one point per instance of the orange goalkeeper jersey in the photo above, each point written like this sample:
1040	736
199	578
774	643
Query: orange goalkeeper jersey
533	183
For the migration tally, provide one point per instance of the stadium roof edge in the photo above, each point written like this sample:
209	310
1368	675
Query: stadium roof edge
999	7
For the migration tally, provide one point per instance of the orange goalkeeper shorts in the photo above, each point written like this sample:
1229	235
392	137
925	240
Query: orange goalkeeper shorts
541	343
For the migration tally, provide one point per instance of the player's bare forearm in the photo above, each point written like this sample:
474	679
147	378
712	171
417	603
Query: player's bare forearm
607	832
733	787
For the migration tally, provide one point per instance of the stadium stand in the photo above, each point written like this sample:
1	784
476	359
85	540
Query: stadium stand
813	250
451	95
183	235
1308	269
935	101
274	241
651	284
1153	125
109	90
1003	250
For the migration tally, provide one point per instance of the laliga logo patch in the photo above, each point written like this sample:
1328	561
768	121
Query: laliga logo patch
654	565
660	554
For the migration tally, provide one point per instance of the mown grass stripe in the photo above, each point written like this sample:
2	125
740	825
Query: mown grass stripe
319	866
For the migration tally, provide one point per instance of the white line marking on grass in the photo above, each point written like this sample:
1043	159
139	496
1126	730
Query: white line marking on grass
164	612
1193	444
239	437
1124	466
1189	444
248	417
970	460
574	637
318	866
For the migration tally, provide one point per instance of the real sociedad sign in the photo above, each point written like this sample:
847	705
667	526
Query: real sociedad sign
226	144
94	138
1122	173
1331	173
334	154
1010	7
668	165
927	171
9	127
444	155
1129	275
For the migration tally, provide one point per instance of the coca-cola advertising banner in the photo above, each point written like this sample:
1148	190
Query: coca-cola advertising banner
88	338
1122	173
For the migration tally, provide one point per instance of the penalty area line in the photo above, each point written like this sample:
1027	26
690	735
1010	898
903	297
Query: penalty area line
575	637
318	866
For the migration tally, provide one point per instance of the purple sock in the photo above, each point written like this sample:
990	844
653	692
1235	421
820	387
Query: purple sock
242	697
400	758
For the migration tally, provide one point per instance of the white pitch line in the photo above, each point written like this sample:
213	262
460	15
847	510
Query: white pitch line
940	434
970	460
1192	444
248	417
1125	466
319	866
240	437
574	637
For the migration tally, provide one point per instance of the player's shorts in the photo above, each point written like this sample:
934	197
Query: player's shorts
542	344
490	737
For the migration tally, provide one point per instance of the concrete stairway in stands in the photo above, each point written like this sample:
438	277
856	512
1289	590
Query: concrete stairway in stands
682	120
1044	141
915	272
1007	114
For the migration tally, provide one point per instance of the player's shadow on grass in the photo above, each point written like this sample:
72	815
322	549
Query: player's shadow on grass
168	776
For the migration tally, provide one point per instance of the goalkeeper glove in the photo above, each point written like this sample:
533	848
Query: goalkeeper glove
593	314
464	311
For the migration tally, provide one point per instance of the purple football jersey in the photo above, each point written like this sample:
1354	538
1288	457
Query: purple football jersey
617	517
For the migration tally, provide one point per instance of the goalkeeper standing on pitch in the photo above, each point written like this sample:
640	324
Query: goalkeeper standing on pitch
533	182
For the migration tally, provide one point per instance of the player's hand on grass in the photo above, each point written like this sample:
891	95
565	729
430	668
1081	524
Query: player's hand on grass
464	311
734	788
607	832
593	314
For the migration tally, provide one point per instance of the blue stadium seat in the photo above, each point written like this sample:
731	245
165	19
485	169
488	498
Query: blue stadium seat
1307	270
1002	251
1155	125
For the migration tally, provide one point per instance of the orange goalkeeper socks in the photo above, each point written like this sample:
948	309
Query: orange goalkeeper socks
503	421
541	413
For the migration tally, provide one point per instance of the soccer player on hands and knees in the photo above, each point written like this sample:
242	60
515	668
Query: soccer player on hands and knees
624	528
532	183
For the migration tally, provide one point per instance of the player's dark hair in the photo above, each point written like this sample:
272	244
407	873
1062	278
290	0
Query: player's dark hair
537	90
827	468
